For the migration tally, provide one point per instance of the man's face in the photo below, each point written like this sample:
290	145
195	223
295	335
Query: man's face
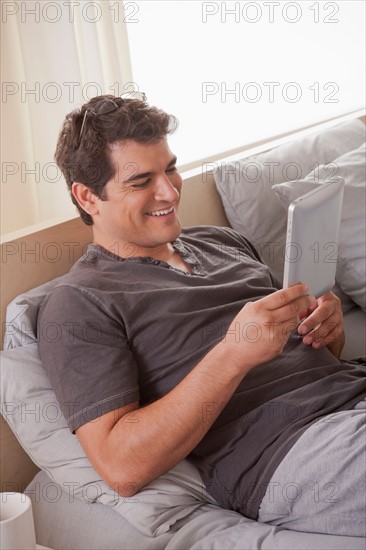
139	211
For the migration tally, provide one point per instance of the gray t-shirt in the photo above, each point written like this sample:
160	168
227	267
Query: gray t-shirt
116	330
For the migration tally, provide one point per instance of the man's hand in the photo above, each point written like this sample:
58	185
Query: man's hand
261	329
323	324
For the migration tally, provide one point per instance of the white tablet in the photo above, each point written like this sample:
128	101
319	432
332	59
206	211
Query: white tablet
311	251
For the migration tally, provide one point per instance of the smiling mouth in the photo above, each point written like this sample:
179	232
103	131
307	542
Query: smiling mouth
158	213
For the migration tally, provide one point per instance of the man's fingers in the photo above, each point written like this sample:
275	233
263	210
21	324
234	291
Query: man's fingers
307	312
322	335
318	316
285	296
294	308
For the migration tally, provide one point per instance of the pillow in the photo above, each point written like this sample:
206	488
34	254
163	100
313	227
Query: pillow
22	313
30	407
245	186
351	266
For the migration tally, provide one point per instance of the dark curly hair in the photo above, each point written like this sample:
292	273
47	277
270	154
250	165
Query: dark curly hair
86	158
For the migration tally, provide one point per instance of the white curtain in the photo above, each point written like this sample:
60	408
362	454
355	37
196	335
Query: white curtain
55	56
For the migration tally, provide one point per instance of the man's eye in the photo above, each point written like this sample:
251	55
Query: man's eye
171	169
141	185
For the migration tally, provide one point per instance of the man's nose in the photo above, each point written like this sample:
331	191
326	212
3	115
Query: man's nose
165	190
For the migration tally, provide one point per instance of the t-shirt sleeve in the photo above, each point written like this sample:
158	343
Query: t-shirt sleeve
86	354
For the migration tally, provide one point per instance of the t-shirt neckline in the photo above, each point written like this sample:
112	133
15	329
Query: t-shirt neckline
182	248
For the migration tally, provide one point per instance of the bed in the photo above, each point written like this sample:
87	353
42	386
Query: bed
72	506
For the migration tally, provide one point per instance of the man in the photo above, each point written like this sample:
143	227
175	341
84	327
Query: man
179	343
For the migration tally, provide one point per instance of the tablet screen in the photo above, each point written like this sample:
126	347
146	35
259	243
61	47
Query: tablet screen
313	225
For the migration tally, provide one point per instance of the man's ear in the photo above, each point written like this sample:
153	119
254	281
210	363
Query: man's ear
85	198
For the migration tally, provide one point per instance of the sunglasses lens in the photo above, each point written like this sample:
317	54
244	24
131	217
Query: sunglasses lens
105	107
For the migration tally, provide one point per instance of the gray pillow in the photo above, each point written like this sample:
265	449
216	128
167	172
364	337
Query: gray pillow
30	407
245	186
351	266
22	313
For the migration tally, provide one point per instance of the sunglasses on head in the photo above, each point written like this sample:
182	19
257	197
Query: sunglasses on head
106	106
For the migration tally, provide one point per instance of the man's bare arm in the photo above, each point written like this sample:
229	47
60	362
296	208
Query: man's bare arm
131	446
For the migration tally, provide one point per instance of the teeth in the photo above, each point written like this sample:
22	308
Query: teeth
161	212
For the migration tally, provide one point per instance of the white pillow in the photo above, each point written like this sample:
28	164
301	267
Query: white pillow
30	407
245	186
351	266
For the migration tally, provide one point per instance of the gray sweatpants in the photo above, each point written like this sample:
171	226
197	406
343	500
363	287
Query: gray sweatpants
320	486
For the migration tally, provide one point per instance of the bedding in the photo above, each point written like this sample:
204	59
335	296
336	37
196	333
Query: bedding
64	523
246	186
